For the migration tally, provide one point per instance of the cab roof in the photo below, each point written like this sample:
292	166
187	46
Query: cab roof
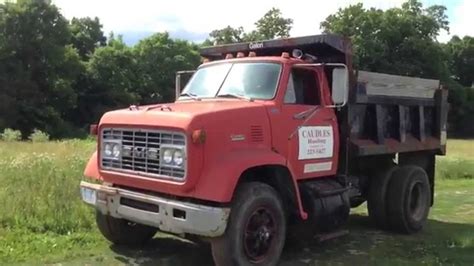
327	47
259	59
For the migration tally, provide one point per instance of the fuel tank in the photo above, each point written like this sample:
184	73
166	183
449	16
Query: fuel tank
327	204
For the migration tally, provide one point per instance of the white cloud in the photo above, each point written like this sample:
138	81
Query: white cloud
462	21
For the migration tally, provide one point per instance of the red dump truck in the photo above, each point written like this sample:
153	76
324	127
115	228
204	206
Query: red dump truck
264	135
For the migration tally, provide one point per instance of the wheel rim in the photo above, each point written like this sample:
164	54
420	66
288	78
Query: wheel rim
260	234
416	201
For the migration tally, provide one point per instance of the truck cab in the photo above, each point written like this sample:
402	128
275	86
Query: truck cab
259	136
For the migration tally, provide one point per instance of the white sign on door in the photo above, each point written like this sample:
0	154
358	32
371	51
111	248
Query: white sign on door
315	142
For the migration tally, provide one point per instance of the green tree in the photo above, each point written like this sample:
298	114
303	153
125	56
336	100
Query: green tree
159	57
461	111
38	67
271	25
110	81
87	35
461	52
225	35
117	76
398	40
403	41
461	97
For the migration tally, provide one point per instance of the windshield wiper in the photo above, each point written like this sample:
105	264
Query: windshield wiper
190	95
233	95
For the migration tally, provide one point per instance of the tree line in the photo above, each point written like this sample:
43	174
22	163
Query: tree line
60	75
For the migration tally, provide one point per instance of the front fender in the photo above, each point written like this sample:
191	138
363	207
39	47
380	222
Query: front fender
92	168
220	176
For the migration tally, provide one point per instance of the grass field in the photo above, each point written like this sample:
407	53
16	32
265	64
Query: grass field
42	219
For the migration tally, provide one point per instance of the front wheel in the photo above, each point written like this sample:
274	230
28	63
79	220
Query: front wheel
123	232
256	231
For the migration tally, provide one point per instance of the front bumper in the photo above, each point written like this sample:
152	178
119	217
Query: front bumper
168	215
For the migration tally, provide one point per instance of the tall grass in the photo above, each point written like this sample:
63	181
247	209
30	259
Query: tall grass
39	186
459	162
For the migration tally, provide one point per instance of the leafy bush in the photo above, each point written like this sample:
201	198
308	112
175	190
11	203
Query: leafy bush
10	135
38	136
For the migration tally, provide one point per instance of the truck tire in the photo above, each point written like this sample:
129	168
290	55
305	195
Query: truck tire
409	197
255	233
123	232
377	196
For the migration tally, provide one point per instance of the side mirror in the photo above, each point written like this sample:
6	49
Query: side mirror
340	86
182	78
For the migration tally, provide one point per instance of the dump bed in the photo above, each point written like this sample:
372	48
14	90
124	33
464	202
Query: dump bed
391	114
386	114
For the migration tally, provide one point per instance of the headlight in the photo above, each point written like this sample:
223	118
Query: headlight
178	157
116	150
112	150
172	156
108	149
168	156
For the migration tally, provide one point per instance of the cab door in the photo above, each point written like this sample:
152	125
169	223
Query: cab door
304	130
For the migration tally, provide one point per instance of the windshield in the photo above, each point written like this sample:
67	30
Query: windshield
248	80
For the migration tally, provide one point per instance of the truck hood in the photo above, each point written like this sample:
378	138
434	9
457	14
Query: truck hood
229	125
175	115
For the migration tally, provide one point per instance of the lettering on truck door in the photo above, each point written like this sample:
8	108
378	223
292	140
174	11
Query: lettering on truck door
315	142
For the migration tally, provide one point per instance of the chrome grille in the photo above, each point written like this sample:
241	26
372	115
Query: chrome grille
141	152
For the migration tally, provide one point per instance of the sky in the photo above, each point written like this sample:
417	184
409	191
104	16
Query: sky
193	20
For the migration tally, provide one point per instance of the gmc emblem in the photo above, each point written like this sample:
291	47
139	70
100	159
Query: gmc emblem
140	152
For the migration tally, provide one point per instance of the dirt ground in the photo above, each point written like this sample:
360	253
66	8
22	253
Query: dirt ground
440	243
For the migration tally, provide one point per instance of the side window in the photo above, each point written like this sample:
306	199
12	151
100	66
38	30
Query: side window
302	88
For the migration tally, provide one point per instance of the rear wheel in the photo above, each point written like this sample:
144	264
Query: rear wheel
255	234
123	232
376	201
409	198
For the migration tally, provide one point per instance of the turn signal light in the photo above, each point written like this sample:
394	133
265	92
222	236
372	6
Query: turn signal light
198	136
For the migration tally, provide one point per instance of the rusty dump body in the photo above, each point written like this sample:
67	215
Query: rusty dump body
385	114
